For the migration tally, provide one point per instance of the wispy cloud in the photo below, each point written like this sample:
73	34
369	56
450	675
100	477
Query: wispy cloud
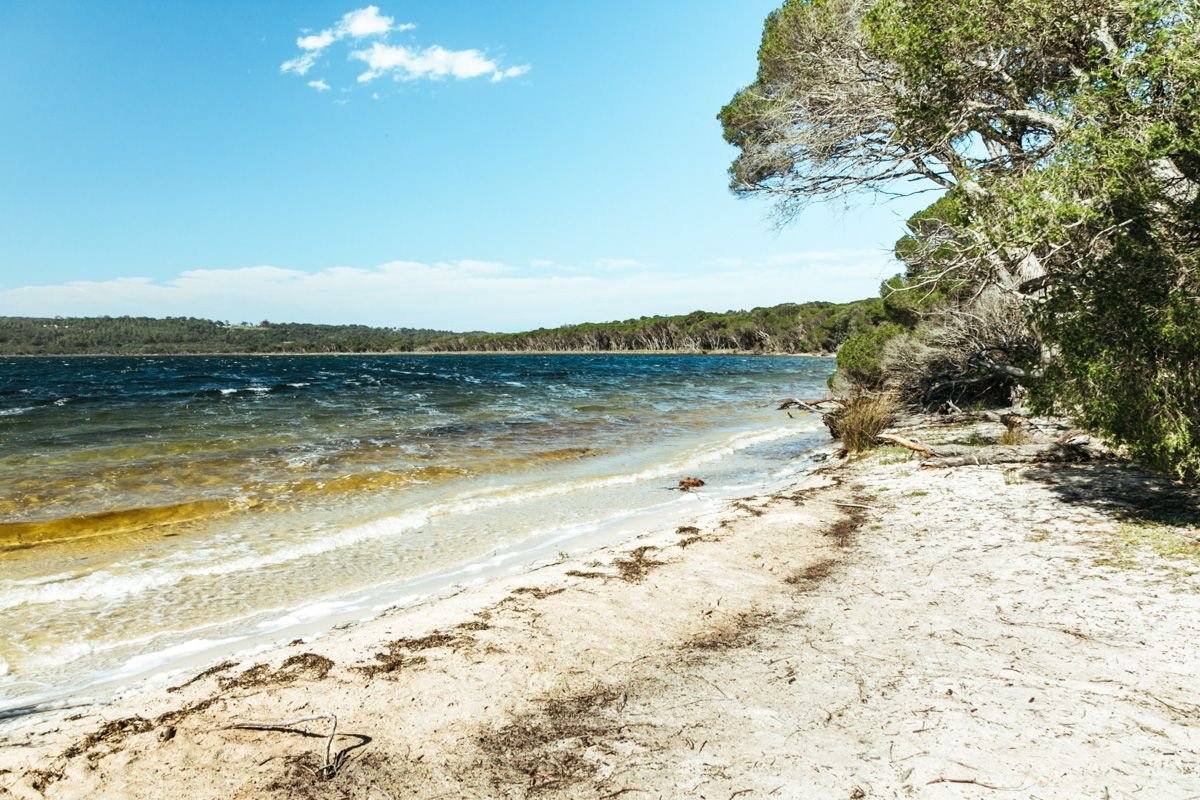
401	62
409	64
357	24
461	295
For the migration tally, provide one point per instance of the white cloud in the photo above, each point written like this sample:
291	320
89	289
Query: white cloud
320	86
318	41
301	64
511	72
460	295
400	62
407	64
367	22
357	24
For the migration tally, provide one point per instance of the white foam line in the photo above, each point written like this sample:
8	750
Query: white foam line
105	585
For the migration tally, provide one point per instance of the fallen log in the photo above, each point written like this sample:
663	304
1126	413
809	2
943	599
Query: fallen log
925	450
1069	452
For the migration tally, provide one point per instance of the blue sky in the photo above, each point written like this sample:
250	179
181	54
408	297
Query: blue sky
445	163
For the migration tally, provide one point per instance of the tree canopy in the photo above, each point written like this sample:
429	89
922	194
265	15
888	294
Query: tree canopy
1066	136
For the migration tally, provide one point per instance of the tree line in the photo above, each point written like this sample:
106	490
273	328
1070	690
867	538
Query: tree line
189	335
1062	255
816	327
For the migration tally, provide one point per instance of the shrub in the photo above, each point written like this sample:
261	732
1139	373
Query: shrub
940	360
860	417
858	359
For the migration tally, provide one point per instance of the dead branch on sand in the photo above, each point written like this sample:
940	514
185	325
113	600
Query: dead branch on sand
1086	449
329	765
925	450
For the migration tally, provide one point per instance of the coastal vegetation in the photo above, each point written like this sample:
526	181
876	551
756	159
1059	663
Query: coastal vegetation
815	327
788	328
1061	260
186	335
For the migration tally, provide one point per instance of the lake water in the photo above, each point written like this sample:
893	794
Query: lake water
161	507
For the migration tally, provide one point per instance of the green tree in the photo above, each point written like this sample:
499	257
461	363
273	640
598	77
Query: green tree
1068	134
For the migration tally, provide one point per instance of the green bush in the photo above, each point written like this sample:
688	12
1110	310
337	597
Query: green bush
858	359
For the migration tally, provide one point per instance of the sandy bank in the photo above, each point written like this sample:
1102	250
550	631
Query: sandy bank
877	631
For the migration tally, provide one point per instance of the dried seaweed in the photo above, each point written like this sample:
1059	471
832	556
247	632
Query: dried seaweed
303	665
557	746
808	577
222	667
637	565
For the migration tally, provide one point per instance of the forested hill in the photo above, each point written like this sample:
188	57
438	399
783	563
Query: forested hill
787	328
139	335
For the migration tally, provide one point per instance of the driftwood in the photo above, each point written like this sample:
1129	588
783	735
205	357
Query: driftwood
329	765
806	405
911	444
1065	452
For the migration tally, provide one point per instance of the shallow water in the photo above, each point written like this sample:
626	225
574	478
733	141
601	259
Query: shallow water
152	507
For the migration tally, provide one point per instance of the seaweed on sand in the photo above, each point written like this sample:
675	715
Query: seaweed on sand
562	743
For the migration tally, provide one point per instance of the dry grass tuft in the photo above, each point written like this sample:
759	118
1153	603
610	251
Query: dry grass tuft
860	418
1012	436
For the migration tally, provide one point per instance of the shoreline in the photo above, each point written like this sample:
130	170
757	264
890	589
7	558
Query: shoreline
366	605
873	630
437	353
497	558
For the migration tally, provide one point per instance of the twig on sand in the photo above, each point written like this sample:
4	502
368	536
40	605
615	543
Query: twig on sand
855	505
973	782
329	766
1176	709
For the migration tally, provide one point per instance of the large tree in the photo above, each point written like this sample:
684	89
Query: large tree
1067	135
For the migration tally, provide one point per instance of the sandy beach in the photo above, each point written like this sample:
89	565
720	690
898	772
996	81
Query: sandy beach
883	628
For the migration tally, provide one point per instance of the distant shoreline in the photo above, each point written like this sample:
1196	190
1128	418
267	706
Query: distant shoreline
434	353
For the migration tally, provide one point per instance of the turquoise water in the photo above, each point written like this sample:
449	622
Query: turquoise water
154	507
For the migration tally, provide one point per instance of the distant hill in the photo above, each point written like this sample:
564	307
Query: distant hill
788	328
